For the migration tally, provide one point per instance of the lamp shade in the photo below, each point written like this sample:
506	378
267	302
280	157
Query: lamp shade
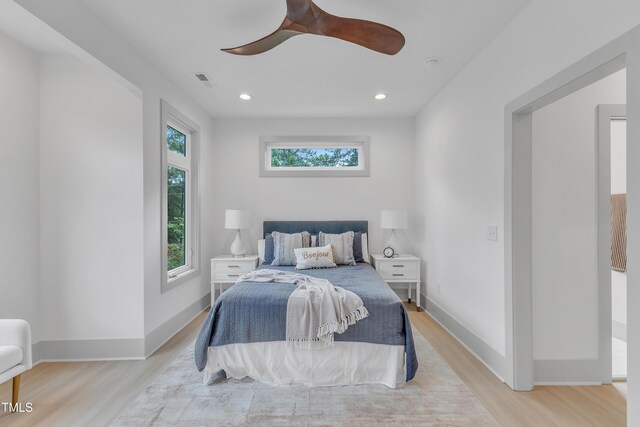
393	220
237	220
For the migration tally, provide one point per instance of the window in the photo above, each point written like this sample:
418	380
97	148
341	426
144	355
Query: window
178	200
314	156
180	197
325	157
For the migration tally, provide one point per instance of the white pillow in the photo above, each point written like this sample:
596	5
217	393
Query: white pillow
261	250
321	257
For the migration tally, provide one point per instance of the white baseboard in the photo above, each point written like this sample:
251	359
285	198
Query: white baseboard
92	350
489	357
619	330
36	353
117	349
156	338
568	372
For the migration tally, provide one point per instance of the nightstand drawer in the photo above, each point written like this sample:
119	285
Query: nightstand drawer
241	266
398	270
227	276
226	270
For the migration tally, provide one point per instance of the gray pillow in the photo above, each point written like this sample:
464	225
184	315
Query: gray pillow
284	244
357	247
342	245
268	249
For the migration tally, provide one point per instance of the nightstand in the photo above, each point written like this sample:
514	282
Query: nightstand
225	271
403	269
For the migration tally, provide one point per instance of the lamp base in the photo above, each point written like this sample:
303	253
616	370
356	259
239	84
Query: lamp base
238	248
393	244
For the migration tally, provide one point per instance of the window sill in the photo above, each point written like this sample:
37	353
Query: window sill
173	282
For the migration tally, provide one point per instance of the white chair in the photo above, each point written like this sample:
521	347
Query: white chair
15	352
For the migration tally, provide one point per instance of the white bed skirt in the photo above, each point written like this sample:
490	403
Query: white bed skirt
275	363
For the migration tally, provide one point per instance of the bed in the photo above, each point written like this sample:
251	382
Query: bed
244	333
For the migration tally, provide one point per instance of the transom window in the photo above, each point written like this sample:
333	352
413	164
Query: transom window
324	157
312	156
176	140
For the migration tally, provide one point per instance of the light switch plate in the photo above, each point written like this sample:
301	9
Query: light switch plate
492	233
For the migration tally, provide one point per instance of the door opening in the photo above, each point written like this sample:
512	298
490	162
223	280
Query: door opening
618	143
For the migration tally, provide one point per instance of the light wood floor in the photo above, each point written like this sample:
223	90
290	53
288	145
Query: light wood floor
94	393
90	393
545	406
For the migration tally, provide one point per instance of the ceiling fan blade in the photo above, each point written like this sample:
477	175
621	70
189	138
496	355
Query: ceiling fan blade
371	35
264	44
296	9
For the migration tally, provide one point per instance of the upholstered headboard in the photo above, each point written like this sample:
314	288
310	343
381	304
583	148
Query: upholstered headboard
313	227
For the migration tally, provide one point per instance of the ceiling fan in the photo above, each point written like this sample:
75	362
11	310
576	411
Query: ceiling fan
305	17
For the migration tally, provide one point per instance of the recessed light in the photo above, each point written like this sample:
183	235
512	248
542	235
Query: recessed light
431	63
245	97
380	96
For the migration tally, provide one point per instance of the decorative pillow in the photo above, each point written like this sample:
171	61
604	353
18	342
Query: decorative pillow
268	249
357	246
307	258
284	244
261	250
342	245
360	247
365	248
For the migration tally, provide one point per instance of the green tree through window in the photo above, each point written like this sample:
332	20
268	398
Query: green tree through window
176	141
176	212
314	157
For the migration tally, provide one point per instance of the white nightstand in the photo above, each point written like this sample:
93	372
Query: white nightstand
400	269
225	270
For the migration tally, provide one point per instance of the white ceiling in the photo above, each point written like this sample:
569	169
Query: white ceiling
307	76
21	25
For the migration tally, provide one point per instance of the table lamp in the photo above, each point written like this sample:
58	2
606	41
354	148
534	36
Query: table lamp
392	220
237	220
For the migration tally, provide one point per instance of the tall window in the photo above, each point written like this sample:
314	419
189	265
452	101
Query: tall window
180	219
178	199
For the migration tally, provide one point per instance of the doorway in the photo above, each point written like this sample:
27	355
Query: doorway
615	56
612	119
567	347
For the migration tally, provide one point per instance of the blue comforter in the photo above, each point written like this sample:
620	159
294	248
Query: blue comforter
256	312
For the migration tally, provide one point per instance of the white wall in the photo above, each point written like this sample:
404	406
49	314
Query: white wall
19	192
619	300
91	204
460	143
460	152
75	21
618	156
238	186
564	227
619	186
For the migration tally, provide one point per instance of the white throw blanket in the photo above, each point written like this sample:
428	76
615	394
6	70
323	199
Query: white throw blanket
315	310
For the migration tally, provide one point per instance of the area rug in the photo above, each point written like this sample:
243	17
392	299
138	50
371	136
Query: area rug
436	397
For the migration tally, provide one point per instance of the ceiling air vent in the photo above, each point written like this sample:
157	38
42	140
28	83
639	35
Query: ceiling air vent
204	79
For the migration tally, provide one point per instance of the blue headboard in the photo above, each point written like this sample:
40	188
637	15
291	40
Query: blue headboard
313	227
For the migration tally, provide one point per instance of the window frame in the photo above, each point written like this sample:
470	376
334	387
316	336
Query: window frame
182	163
268	143
189	163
